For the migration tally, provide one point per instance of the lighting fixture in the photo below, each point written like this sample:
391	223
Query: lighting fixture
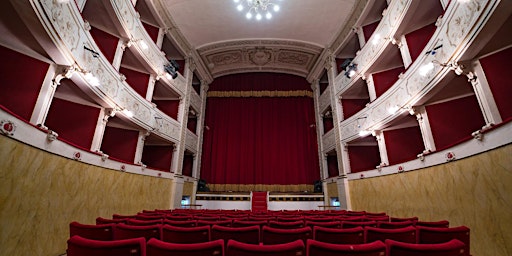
351	70
257	8
172	68
128	113
91	79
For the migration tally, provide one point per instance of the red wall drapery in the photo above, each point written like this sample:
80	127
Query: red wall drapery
260	140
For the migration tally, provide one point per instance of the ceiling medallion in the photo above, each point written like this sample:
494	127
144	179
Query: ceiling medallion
257	8
260	56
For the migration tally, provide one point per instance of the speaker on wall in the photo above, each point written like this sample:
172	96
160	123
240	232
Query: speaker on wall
318	186
201	186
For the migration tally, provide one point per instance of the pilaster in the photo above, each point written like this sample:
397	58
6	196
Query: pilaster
484	95
343	192
44	100
381	142
140	146
177	191
426	132
371	87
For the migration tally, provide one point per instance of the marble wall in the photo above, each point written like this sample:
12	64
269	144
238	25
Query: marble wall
332	190
41	193
475	192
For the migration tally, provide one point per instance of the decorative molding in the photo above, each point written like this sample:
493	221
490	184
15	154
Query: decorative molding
238	56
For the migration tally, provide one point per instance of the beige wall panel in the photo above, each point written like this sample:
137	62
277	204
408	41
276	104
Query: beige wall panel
475	192
332	190
41	193
188	188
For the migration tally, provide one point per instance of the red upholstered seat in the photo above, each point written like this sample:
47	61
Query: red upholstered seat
137	222
353	224
185	235
399	224
124	231
407	234
451	248
286	224
319	219
181	223
247	223
179	217
101	220
79	246
317	248
289	218
396	219
339	236
435	224
432	235
104	232
210	223
250	235
295	248
156	247
377	218
271	235
118	216
329	224
149	217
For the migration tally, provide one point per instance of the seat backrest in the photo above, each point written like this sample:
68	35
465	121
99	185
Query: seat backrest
185	235
101	220
353	224
435	224
138	222
210	223
250	234
399	224
431	235
286	224
156	247
295	248
79	246
181	223
119	216
451	248
398	219
247	223
328	224
317	248
338	235
103	232
270	235
125	231
178	217
407	234
319	219
289	218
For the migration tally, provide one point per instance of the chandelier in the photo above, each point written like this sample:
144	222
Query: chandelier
257	8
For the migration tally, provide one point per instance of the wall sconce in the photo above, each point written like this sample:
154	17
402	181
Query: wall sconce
128	113
51	135
172	68
351	70
393	109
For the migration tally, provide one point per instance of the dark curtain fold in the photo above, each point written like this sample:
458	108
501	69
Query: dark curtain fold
267	140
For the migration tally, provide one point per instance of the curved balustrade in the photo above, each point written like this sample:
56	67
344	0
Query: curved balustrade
414	84
67	22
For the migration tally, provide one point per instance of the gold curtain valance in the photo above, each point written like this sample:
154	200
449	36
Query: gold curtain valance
258	94
260	187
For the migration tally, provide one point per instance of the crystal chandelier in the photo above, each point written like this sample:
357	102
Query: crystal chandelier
257	8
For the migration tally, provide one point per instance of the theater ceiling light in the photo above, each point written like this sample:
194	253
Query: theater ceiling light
257	8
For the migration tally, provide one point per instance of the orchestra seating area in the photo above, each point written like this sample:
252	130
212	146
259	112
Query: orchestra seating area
287	232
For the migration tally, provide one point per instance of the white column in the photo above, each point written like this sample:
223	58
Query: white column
343	192
196	172
484	95
345	159
140	146
360	36
381	142
404	50
44	100
80	4
99	131
177	191
316	96
151	87
118	55
160	38
426	132
371	87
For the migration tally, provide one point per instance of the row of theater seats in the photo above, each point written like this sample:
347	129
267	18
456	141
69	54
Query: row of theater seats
194	227
78	246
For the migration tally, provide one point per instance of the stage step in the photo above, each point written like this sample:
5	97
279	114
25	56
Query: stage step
259	201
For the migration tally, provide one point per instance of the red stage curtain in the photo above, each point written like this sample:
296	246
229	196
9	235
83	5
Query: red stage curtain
260	140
